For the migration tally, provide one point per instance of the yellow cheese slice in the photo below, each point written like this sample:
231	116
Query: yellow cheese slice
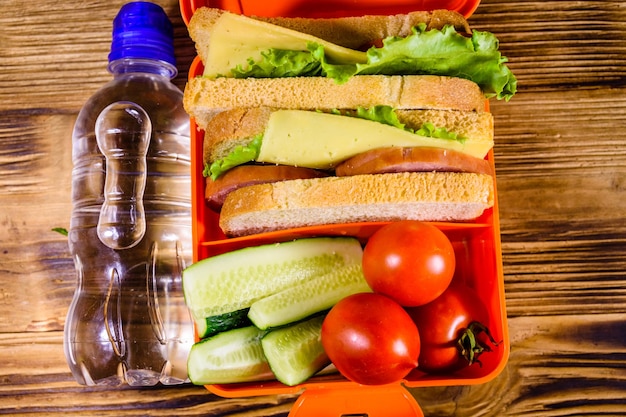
321	140
236	38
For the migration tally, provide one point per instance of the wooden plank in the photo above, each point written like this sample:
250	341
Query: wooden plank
562	194
572	367
55	57
35	191
35	380
559	44
561	165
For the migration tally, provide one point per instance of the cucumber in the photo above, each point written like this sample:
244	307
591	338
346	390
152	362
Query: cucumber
234	280
295	353
210	326
310	297
229	357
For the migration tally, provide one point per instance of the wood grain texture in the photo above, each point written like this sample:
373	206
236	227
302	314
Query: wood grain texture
561	171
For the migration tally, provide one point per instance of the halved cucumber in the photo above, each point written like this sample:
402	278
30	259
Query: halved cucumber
234	280
310	297
295	353
233	356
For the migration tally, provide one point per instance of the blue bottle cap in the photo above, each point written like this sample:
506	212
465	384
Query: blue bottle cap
142	30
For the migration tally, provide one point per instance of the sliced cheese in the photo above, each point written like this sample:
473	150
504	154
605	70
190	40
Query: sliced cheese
321	140
235	39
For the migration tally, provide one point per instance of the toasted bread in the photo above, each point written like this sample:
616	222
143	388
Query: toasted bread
362	198
205	97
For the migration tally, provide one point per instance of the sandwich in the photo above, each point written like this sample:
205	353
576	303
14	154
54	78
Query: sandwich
319	121
272	55
270	169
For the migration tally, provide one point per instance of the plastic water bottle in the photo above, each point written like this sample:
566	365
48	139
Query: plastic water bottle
130	231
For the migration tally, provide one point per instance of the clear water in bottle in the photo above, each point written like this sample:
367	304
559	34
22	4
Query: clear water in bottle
130	231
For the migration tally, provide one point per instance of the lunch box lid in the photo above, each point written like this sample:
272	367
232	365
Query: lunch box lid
326	8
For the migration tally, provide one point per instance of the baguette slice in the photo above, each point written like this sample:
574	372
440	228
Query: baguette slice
349	32
427	196
205	97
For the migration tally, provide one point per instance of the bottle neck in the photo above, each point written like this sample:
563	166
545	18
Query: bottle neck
139	65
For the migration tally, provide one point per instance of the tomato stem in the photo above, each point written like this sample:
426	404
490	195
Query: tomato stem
471	346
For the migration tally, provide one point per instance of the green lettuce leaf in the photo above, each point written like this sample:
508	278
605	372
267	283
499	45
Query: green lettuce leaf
60	230
430	130
382	114
437	52
387	115
277	63
445	52
239	156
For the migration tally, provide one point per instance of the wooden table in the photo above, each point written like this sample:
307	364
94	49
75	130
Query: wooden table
561	174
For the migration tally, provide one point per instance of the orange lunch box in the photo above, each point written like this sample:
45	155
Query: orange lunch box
477	245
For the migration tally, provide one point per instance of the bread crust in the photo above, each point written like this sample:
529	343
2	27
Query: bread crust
232	128
469	124
429	196
350	32
205	97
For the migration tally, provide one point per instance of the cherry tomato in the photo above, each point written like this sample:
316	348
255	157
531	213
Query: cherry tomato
453	330
371	339
412	262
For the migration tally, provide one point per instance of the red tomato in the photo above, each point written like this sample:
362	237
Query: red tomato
371	339
412	262
453	330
